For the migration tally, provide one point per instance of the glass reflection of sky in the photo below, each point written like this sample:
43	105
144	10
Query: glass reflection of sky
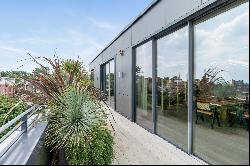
173	55
144	59
223	42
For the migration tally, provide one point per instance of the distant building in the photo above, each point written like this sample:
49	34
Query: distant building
7	86
29	87
240	85
242	89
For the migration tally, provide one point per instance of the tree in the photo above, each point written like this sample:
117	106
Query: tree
209	80
38	71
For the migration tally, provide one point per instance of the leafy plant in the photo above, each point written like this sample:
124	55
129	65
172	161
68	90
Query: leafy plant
72	117
98	150
64	74
77	114
9	109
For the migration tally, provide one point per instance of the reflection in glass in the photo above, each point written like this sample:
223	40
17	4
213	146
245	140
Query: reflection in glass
144	85
221	132
92	77
172	70
109	83
112	84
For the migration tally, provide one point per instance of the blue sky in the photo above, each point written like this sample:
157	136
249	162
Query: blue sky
72	27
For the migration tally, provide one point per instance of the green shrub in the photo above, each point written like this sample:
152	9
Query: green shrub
9	109
76	113
98	150
76	124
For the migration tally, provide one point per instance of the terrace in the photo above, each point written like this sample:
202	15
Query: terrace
24	145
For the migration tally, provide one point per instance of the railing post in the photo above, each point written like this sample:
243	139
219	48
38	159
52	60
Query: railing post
24	125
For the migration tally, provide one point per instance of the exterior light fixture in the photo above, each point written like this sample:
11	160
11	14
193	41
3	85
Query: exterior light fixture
121	52
120	74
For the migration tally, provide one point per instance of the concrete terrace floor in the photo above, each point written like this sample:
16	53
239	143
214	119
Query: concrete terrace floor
136	146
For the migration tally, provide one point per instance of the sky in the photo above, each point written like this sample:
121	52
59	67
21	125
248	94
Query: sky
71	28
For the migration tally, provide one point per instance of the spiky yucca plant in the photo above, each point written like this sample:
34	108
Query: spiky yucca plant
72	117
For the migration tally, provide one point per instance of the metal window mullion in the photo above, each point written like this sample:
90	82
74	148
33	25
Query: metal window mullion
154	83
133	118
115	82
190	86
109	92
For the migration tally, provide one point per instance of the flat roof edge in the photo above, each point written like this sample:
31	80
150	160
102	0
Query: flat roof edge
127	27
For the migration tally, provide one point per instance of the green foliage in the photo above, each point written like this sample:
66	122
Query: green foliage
76	121
9	109
97	150
38	71
224	91
76	115
63	74
15	74
71	118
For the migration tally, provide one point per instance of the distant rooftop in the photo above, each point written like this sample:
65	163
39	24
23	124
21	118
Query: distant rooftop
7	80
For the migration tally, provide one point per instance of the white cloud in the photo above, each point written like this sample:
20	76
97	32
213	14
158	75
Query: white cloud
238	62
224	44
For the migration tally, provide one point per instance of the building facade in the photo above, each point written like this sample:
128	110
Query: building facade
181	71
7	86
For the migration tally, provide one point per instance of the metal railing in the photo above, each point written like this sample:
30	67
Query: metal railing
21	127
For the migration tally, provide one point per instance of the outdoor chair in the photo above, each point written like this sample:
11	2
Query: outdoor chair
238	113
208	110
232	115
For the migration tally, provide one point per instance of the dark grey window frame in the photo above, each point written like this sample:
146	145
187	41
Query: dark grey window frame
103	75
153	84
170	31
215	8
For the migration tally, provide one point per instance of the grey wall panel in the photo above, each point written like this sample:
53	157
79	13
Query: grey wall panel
149	23
176	9
123	42
108	54
123	85
164	13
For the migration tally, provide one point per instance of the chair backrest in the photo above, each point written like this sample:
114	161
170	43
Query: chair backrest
203	106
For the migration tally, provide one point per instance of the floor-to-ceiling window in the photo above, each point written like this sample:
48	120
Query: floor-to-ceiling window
221	117
112	84
102	77
92	77
144	85
172	83
108	82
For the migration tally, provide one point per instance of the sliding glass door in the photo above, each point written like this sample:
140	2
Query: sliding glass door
144	86
108	82
172	83
221	121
